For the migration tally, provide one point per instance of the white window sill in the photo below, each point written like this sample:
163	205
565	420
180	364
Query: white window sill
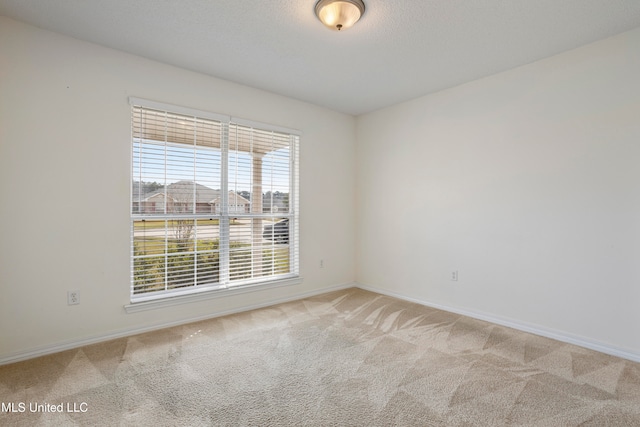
205	295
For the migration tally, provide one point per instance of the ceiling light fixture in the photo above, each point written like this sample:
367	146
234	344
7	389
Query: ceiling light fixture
339	14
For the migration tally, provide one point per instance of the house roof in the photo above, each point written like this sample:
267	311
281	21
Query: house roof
182	192
234	199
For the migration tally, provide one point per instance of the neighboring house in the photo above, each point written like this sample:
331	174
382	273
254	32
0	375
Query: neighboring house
237	204
180	198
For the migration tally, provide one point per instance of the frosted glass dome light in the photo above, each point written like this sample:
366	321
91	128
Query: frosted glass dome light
339	14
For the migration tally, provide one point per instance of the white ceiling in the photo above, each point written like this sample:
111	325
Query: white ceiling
400	49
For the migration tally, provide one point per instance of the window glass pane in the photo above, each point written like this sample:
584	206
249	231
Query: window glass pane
180	270
207	239
148	274
149	237
276	176
175	253
149	256
148	178
207	178
259	247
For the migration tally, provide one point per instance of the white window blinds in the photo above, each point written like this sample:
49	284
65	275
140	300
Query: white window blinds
214	202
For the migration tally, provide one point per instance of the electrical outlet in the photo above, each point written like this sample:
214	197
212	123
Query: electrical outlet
454	276
321	263
73	297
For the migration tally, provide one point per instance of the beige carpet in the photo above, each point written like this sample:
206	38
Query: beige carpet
347	358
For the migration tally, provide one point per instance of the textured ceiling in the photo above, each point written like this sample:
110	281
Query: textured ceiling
399	50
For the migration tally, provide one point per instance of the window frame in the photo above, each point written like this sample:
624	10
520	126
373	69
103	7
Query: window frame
224	286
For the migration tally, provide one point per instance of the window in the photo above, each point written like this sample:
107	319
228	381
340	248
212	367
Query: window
214	202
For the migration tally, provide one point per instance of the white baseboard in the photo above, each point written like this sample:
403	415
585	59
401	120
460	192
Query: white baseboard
71	344
510	323
516	324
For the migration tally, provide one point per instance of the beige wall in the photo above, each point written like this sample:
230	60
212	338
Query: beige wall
527	183
64	186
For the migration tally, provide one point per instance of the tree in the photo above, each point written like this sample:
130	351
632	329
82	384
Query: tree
182	202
